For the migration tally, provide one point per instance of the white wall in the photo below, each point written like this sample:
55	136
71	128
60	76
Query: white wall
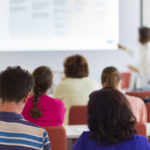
129	23
146	13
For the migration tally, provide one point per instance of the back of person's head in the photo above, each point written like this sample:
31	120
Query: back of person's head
110	118
111	77
76	66
15	84
43	77
144	35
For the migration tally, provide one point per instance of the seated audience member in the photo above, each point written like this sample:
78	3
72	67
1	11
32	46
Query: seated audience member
112	77
15	132
111	124
40	108
76	86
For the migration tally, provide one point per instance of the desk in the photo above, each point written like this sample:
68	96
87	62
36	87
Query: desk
73	133
148	129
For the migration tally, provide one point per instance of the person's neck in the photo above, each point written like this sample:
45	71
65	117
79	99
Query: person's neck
11	107
119	89
143	44
46	93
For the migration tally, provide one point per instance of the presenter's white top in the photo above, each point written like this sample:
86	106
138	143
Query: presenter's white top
142	63
75	91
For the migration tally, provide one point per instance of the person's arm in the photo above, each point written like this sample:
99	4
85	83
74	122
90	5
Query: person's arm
122	47
145	143
143	113
61	111
46	141
130	51
132	68
144	64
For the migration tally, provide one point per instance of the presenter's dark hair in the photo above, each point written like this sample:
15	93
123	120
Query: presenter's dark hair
76	66
144	33
111	77
15	84
43	77
110	118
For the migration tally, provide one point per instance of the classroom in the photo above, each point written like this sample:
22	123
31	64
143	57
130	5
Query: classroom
74	75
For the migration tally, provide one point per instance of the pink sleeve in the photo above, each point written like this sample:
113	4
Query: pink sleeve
143	112
62	111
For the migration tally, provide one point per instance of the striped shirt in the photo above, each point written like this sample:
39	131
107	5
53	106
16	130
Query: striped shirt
19	134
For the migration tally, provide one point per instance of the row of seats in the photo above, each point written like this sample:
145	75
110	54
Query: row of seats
78	115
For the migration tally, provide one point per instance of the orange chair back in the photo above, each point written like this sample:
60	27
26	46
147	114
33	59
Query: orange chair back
126	77
141	129
78	115
140	94
58	138
148	111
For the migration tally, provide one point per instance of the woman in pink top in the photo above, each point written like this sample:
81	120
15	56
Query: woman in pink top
41	109
112	77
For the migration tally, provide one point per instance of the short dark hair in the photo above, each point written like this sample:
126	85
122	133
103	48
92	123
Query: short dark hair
144	33
76	66
110	118
15	84
43	78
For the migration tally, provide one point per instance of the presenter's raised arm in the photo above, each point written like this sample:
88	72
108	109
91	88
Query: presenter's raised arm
122	47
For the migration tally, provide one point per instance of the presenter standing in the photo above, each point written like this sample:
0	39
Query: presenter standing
141	68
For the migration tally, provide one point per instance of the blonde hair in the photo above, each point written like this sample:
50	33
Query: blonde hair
111	77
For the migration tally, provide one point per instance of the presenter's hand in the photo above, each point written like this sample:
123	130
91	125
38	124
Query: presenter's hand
122	47
132	68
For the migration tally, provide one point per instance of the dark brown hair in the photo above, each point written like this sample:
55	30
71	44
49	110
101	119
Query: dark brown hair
43	77
76	66
144	33
111	77
110	118
15	84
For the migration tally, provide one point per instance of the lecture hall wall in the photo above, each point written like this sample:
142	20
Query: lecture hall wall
130	21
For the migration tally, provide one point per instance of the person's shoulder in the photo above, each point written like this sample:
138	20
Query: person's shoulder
33	126
62	83
58	101
92	81
141	139
30	98
25	122
133	98
65	85
138	142
85	135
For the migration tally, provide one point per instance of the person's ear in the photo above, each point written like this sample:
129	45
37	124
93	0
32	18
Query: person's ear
103	85
26	97
122	82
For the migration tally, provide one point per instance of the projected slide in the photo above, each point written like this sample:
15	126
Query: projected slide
31	25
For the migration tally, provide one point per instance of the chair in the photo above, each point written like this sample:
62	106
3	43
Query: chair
141	129
126	77
148	111
57	136
78	115
140	94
